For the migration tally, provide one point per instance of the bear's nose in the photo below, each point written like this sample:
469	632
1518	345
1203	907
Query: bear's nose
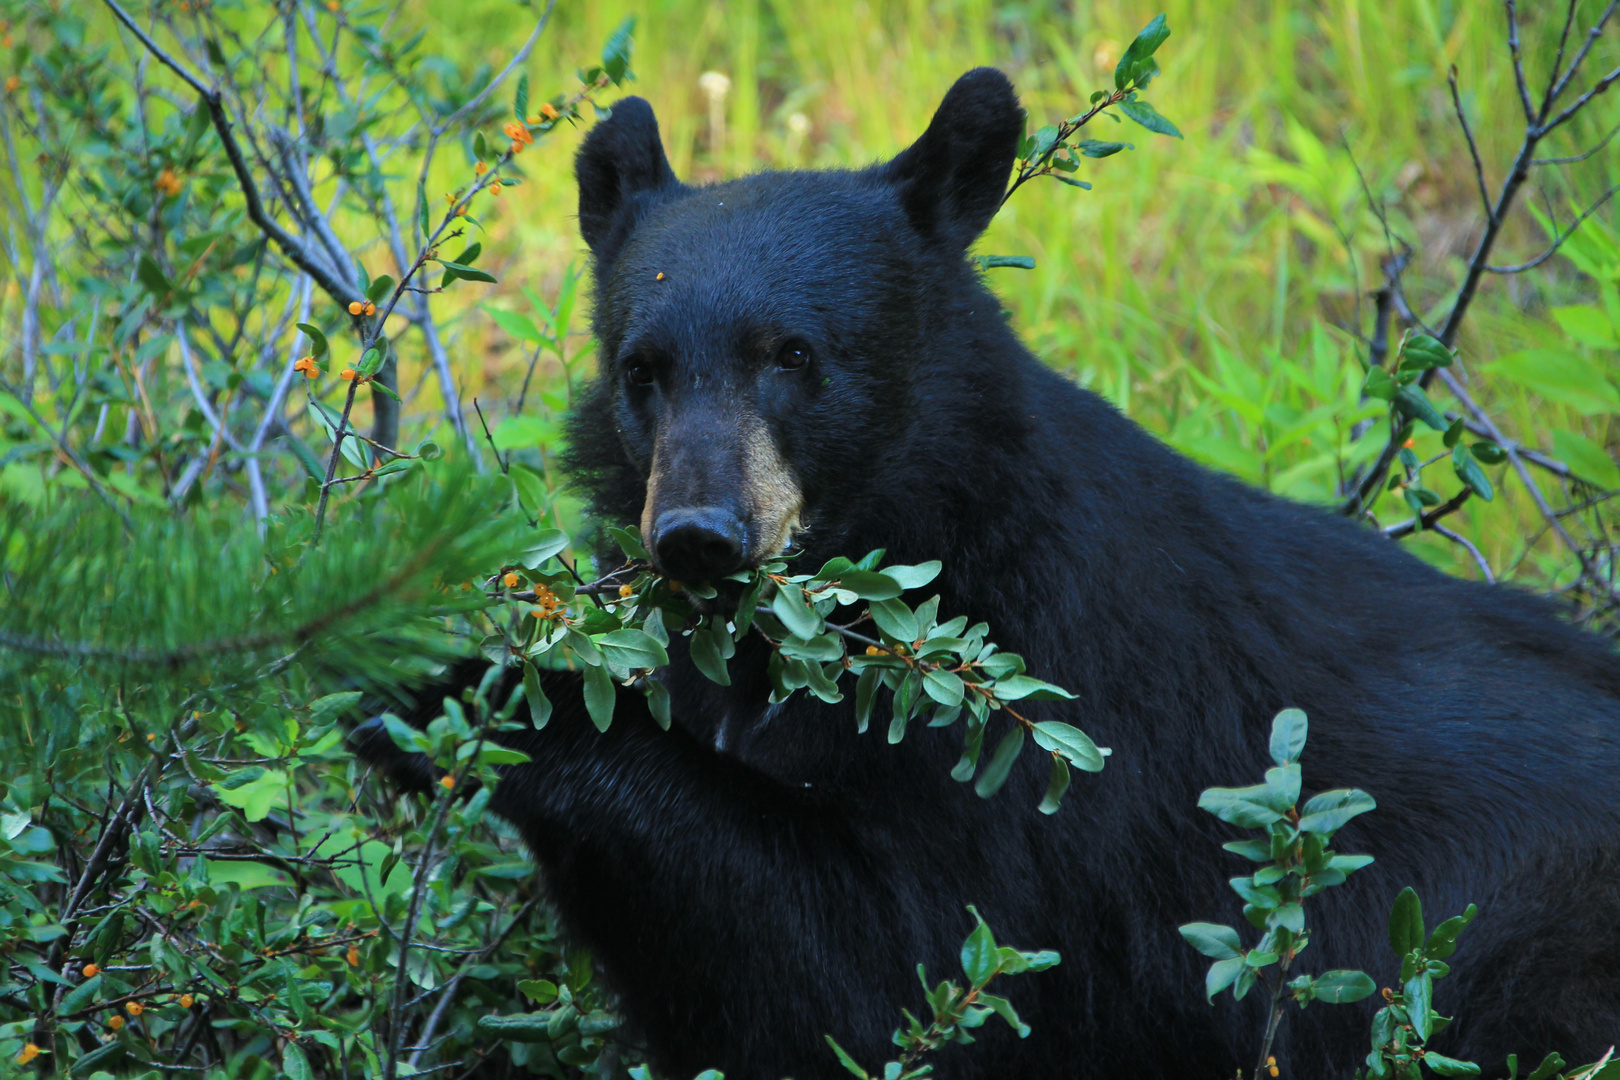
695	543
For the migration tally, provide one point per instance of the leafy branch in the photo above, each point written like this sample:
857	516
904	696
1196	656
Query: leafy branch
956	1010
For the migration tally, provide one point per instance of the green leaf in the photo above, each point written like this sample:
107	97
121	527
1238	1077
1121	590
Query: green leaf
1446	1066
599	696
317	340
1019	687
979	959
257	796
1491	454
1056	786
1240	806
1071	181
707	654
1588	460
895	619
455	270
1001	763
1288	731
1143	46
1148	117
616	53
868	585
1419	993
632	648
1091	148
1422	352
422	220
1021	262
944	687
535	695
1213	940
865	694
520	100
1413	403
501	755
370	361
1470	473
1341	987
1443	942
1406	923
543	544
658	702
843	1059
1004	1009
629	541
1327	813
1221	974
1380	384
1071	742
515	325
1453	433
795	614
379	288
913	577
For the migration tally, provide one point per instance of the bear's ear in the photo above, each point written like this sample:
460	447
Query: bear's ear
620	159
952	179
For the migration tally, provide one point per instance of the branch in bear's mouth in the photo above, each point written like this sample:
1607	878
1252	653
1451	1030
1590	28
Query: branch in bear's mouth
946	669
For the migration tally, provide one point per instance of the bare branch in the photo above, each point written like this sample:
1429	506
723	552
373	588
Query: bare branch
290	245
1558	61
1460	539
1592	35
152	47
1473	148
1518	62
1578	157
1519	268
1430	519
1581	102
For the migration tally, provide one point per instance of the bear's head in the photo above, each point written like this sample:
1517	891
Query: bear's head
763	340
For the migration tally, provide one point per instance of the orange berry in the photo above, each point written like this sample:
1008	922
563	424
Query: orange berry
447	782
115	1022
548	110
356	307
626	591
353	956
134	1008
371	309
510	580
151	736
28	1053
331	5
311	371
90	970
1408	444
11	85
495	188
873	650
186	1001
480	168
517	147
660	276
346	374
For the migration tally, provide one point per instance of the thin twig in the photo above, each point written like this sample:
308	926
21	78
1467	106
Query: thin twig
1473	148
1558	242
1518	62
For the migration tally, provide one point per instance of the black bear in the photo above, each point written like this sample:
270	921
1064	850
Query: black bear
810	359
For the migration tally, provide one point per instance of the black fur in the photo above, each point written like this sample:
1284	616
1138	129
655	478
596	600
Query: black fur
760	877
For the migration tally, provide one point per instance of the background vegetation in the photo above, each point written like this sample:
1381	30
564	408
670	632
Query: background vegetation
182	822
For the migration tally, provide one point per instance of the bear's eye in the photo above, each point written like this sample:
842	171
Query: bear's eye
641	373
793	356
